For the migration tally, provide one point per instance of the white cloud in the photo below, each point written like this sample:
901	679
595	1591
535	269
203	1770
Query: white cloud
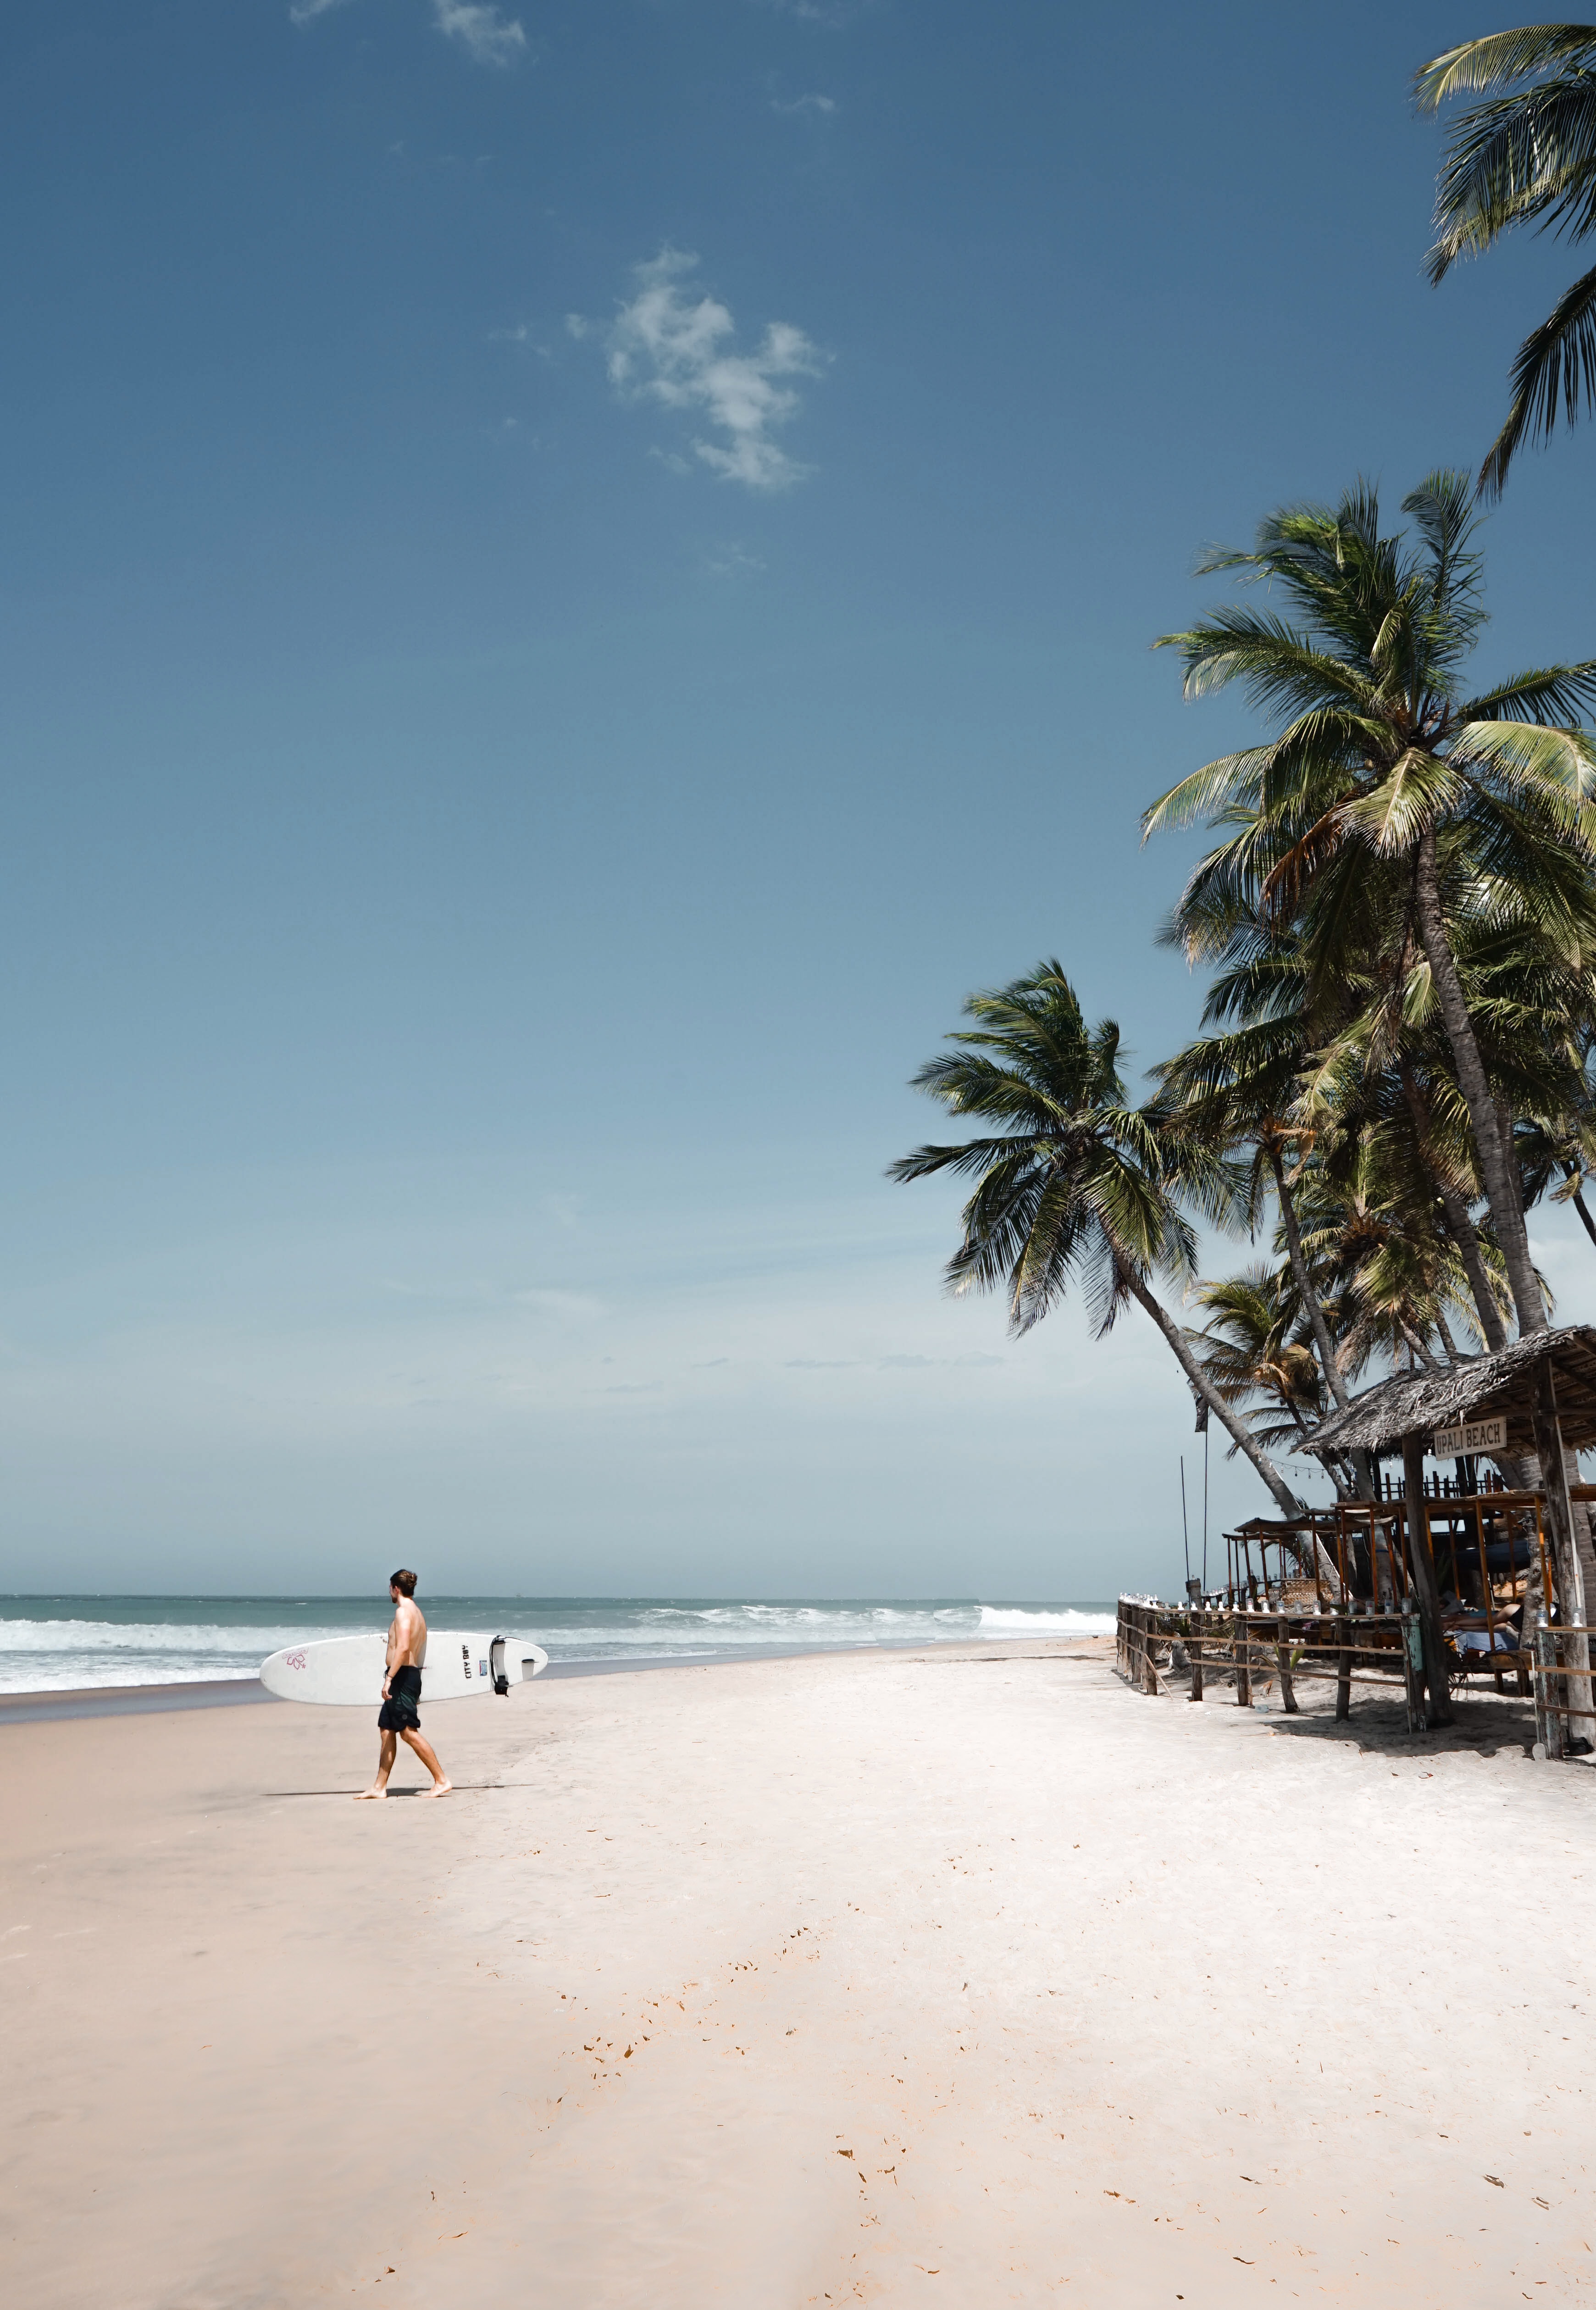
799	104
488	37
486	34
667	346
733	562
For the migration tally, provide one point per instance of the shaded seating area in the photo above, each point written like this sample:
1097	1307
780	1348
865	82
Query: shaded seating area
1506	1523
1435	1580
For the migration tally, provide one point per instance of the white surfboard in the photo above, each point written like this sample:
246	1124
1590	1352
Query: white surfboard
347	1672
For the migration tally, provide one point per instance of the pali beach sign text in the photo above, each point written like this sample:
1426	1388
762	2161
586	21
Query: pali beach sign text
1473	1436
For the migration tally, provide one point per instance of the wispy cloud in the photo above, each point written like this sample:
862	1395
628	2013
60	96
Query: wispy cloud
733	562
483	31
801	104
484	34
568	1306
835	12
812	11
668	346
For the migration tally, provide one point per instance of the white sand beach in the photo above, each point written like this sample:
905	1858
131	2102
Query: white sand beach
967	1977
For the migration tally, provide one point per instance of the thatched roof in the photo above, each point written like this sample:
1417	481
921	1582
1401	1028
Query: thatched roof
1479	1389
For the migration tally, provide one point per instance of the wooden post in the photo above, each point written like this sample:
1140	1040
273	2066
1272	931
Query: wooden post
1559	1515
1549	1725
1283	1662
1149	1674
1243	1674
1194	1648
1423	1564
1413	1667
1344	1673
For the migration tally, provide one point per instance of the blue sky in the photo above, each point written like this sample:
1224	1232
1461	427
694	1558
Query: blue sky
575	576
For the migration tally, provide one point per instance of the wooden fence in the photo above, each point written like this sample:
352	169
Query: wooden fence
1160	1648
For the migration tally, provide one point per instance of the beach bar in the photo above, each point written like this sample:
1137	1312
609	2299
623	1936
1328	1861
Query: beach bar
1418	1584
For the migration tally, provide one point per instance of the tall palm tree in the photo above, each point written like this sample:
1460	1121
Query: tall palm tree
1388	1069
1074	1185
1526	155
1383	788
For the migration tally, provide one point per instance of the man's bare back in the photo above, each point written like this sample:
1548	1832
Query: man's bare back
399	1718
407	1638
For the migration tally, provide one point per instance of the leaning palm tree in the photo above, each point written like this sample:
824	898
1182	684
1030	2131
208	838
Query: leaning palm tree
1074	1185
1526	155
1252	1348
1238	1088
1384	793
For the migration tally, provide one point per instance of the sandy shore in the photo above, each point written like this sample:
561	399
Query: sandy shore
956	1977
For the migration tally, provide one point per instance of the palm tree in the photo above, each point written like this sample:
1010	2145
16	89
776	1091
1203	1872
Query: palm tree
1383	795
1562	1144
1526	155
1252	1347
1388	1069
1239	1088
1372	1218
1073	1185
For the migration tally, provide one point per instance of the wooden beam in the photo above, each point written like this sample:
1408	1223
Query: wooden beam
1559	1515
1438	1710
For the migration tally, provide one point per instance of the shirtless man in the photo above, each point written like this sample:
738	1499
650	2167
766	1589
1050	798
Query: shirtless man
399	1718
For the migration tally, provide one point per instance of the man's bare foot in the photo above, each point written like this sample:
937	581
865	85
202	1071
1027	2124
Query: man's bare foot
441	1789
361	1795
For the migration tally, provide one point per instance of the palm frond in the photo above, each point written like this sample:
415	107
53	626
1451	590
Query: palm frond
1475	65
1556	367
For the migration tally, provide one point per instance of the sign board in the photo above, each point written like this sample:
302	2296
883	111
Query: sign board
1473	1436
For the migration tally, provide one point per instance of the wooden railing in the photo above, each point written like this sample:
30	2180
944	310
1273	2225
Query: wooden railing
1160	1646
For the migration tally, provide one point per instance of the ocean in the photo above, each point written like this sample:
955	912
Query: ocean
53	1644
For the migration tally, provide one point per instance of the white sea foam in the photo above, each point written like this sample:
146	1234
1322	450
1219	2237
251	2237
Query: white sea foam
1013	1621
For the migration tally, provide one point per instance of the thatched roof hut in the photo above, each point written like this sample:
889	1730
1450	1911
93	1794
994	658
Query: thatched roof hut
1485	1387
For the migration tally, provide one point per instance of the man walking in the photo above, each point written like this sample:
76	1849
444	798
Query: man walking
400	1718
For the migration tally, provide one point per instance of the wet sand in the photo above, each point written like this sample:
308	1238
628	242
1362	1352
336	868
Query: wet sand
963	1977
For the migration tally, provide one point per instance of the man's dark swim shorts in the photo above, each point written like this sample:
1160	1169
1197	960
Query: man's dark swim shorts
401	1712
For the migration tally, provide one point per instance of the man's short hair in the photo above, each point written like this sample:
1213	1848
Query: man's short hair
406	1582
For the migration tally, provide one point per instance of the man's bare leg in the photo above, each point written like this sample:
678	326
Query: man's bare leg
385	1765
441	1783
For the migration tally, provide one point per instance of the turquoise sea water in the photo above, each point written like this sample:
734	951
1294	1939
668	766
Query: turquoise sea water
51	1644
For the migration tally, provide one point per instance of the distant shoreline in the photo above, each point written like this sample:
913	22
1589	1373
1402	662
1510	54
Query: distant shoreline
94	1700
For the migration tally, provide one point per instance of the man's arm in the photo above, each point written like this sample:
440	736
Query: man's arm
387	1669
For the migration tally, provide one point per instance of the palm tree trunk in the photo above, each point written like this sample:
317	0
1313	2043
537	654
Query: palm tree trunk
1460	1225
1246	1442
1501	1187
1304	1288
1416	1347
1571	1171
